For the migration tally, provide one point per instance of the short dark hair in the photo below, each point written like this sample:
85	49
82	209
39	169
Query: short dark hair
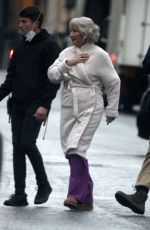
32	12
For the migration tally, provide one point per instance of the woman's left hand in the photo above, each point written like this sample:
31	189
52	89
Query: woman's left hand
109	119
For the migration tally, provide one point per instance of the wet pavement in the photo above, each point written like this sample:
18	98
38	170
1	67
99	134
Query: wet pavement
115	158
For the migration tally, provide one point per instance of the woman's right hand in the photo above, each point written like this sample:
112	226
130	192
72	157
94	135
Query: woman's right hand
109	119
79	58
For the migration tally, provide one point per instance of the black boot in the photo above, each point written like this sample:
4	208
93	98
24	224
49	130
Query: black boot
17	200
42	194
136	201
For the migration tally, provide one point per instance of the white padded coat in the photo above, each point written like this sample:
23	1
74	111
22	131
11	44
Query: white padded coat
82	103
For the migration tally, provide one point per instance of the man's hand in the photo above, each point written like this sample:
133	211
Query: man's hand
79	58
109	120
41	114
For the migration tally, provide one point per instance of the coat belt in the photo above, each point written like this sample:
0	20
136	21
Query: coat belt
74	88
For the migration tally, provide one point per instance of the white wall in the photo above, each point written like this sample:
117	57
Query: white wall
136	38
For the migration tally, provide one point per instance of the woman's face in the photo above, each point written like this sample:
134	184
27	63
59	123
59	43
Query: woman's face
76	37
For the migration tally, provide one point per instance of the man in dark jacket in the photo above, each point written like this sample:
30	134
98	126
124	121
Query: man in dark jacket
32	95
146	62
136	201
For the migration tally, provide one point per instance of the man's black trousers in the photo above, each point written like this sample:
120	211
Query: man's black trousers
25	130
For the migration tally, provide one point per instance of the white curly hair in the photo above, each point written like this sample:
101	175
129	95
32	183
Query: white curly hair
87	27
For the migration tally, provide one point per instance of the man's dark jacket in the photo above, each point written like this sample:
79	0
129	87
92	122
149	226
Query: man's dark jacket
27	72
146	62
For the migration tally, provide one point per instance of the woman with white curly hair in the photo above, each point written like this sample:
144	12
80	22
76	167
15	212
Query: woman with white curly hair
86	71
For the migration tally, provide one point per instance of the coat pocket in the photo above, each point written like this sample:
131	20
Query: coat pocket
66	98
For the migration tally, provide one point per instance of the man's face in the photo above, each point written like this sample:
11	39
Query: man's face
25	25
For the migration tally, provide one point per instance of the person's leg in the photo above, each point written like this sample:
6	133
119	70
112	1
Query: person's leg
143	179
136	201
19	161
30	131
80	183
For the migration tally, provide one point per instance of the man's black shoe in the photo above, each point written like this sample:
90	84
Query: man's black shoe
42	194
17	200
136	201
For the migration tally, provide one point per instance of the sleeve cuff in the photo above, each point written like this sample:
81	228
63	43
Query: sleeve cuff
111	113
63	67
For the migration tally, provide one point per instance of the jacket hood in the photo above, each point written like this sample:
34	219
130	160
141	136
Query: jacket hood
43	34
